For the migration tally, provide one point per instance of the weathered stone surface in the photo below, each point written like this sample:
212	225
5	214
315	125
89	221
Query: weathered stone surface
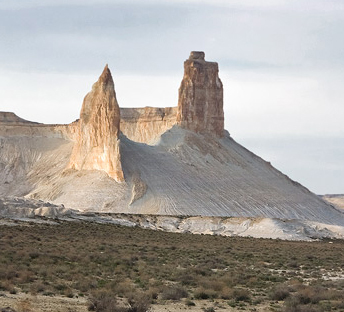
147	124
97	143
12	125
12	119
200	104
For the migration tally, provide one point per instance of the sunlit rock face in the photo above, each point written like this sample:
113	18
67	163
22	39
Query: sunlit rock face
200	105
97	143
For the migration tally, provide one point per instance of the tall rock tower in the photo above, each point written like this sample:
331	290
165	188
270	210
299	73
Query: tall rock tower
97	145
200	104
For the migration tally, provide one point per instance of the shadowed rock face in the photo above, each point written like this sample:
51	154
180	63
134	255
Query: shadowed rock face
200	105
97	143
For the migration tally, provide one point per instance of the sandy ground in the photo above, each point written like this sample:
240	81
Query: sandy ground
27	303
337	200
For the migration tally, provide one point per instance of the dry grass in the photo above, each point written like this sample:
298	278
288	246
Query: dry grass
108	263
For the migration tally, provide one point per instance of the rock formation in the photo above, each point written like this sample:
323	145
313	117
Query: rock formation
13	119
97	143
168	169
147	124
200	104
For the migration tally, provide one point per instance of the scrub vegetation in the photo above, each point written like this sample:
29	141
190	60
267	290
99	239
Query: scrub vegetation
130	269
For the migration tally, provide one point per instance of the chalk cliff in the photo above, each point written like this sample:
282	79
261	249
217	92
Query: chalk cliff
172	161
147	124
97	143
200	105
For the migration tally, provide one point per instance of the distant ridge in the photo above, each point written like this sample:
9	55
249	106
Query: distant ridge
12	118
335	199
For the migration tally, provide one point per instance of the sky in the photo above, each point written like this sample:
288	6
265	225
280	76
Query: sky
281	63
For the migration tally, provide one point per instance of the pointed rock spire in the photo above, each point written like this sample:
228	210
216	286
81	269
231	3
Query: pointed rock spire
97	145
200	104
106	77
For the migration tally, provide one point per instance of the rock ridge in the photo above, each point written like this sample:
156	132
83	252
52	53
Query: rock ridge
13	119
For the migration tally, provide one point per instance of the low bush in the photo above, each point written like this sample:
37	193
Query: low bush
240	294
202	294
139	302
280	292
174	293
103	301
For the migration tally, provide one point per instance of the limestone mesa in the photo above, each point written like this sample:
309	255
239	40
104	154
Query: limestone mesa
200	109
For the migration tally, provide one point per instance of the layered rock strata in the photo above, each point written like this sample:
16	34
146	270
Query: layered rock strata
97	143
147	124
200	104
13	119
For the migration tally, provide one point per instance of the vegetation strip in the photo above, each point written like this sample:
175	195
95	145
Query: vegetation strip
134	268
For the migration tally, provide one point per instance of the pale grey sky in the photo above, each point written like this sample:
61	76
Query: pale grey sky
281	63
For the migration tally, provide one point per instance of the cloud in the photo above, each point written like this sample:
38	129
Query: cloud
315	5
20	4
67	38
154	37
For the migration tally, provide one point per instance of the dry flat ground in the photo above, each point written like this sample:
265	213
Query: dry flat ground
39	303
80	266
336	200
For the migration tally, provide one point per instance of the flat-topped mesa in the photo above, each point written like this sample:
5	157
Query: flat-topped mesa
200	104
97	143
12	119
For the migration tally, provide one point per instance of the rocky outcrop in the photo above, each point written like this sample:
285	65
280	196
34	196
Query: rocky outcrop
200	104
147	124
139	188
13	119
97	143
19	207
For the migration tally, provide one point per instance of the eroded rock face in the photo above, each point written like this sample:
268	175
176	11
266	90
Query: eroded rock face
200	104
97	143
12	119
147	124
